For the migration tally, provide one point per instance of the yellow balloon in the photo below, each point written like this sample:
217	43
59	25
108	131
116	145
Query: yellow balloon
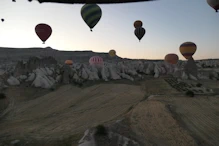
188	49
112	53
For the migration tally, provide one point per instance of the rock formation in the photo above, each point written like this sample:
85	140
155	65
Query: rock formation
191	68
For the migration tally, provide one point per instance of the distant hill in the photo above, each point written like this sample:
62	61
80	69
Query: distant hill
15	54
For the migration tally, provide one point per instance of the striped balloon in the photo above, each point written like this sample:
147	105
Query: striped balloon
187	49
91	14
96	60
139	32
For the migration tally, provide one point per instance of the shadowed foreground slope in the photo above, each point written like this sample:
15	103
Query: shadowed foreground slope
69	110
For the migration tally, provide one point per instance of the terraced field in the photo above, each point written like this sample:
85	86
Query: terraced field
182	86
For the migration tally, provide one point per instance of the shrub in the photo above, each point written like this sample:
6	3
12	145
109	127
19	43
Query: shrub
52	89
2	96
211	76
190	93
198	85
101	130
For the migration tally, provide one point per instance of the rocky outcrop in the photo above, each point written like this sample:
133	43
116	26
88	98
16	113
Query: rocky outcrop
45	73
32	64
13	81
191	68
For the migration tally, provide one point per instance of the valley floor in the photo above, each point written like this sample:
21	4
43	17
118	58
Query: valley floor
61	117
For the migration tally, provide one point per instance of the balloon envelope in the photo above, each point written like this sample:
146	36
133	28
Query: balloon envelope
214	4
112	53
188	49
43	31
68	62
91	14
138	23
93	1
139	32
171	58
96	60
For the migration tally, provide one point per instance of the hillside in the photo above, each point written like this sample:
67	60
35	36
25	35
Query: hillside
15	54
140	102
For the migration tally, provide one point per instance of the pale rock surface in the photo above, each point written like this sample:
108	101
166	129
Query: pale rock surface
184	76
43	79
31	77
22	77
13	81
58	78
192	77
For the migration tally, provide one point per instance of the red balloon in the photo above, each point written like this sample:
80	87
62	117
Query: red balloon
43	31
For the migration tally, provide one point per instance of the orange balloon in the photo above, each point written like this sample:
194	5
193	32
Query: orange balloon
171	58
68	62
138	23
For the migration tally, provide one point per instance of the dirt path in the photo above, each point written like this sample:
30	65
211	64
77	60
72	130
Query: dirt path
69	110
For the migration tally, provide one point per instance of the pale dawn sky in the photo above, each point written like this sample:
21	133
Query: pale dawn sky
168	24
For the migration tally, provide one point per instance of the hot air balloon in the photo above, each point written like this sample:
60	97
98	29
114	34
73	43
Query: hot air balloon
96	60
138	23
171	58
43	31
91	14
68	62
92	1
187	49
139	32
214	4
112	53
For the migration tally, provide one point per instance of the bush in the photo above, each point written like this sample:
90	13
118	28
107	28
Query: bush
52	89
190	93
101	130
198	85
211	76
2	96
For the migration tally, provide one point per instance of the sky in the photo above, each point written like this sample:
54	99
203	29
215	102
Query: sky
168	23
